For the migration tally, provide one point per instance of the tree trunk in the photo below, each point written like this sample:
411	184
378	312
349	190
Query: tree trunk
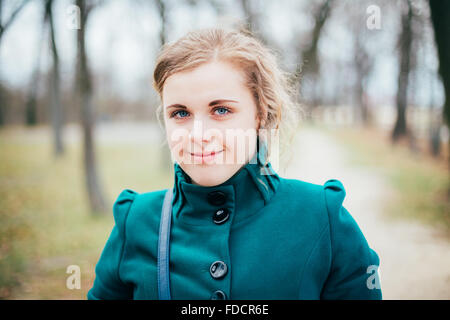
362	68
56	111
309	68
162	14
2	98
84	85
31	104
440	16
165	159
4	25
435	122
400	127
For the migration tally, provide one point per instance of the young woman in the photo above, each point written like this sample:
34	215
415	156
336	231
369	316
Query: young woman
231	227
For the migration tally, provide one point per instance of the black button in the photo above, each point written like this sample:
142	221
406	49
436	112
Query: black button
218	269
217	198
218	295
221	215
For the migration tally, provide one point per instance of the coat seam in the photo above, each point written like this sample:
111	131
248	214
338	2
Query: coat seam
124	242
329	224
316	243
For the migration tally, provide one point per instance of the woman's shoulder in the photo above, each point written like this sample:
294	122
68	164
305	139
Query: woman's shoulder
132	196
130	200
317	202
332	190
326	204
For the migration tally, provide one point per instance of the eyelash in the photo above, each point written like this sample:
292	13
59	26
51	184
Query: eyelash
175	113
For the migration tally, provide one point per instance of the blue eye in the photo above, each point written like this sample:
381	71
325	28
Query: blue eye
221	110
180	114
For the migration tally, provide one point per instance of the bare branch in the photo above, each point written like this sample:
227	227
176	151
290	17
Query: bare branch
12	17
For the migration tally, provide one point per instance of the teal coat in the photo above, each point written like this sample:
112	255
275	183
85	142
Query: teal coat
283	239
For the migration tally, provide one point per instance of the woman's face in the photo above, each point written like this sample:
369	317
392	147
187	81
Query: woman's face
211	121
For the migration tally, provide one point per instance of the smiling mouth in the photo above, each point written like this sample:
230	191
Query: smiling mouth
206	155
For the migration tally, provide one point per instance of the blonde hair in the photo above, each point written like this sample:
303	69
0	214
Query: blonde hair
270	86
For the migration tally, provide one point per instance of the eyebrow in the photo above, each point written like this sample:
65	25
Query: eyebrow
212	103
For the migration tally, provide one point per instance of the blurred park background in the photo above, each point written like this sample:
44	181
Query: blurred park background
78	125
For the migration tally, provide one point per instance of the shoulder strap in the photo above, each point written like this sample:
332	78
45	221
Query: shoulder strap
163	247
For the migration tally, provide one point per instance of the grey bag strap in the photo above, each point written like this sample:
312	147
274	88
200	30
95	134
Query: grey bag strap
163	247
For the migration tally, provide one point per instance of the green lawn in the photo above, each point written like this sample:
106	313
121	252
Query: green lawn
45	223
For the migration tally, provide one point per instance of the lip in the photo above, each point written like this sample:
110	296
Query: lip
206	156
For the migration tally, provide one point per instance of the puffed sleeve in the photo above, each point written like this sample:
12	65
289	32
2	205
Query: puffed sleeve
354	265
107	283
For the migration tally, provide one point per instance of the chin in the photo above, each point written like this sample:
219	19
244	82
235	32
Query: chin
210	175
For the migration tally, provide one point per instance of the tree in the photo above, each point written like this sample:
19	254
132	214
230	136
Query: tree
309	66
405	40
161	6
363	66
440	17
4	25
85	92
56	111
165	160
31	102
253	18
363	57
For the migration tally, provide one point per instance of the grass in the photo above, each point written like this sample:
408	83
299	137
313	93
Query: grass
45	223
419	182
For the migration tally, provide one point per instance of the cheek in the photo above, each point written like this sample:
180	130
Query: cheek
169	131
176	139
241	144
246	121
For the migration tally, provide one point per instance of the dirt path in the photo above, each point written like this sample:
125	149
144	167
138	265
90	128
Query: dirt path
415	259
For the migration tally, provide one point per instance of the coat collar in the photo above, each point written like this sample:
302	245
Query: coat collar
247	191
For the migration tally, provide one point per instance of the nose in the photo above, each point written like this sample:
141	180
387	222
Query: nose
197	133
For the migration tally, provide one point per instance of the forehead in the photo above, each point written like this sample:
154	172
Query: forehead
205	83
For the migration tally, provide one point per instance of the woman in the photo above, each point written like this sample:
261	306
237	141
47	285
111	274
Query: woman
233	228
